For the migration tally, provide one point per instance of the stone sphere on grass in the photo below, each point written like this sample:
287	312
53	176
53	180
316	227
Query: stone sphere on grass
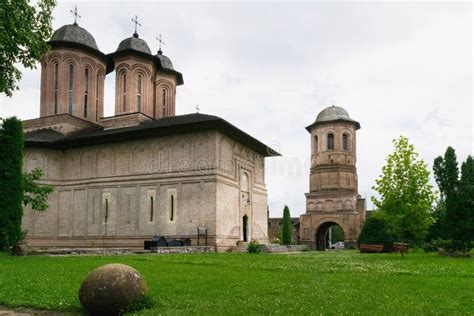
111	288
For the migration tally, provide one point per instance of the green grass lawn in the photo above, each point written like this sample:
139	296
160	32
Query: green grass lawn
306	283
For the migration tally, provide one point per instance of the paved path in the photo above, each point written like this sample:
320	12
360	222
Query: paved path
5	311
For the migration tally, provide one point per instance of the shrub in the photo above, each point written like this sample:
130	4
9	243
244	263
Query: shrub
429	247
375	231
453	246
254	247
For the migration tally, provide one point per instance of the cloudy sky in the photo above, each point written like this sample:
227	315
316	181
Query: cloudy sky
400	68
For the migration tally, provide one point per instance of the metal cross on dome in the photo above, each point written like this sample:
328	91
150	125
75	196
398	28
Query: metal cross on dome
197	108
76	15
160	41
136	23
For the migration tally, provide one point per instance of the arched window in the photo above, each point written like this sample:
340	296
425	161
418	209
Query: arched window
56	86
97	96
71	87
124	91
345	141
86	90
330	141
316	143
139	93
163	103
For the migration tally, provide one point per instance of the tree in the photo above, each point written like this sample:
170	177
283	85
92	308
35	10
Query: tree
406	195
286	230
36	195
11	183
446	174
460	216
375	231
337	234
24	29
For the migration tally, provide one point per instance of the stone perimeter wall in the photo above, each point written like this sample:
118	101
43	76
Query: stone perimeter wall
133	184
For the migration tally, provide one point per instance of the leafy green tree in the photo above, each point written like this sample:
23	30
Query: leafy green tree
406	195
36	195
287	229
375	231
24	29
11	183
337	234
460	216
437	229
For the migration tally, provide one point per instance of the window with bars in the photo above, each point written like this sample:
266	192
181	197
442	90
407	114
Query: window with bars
345	141
330	141
124	91
97	96
56	87
86	90
163	102
139	93
71	88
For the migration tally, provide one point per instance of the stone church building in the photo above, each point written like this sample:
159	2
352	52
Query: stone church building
144	171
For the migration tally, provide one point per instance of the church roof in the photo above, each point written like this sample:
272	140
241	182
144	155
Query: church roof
43	135
139	47
134	43
74	34
164	61
164	126
332	114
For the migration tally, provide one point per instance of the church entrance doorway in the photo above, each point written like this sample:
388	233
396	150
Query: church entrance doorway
245	228
329	236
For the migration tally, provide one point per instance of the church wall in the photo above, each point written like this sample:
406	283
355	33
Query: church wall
240	192
126	175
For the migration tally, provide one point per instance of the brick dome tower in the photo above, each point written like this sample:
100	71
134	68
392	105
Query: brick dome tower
73	75
145	83
333	197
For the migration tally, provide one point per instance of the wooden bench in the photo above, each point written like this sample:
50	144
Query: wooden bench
400	247
371	248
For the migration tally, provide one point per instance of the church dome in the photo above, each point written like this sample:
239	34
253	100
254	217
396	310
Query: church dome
73	33
134	43
333	113
164	61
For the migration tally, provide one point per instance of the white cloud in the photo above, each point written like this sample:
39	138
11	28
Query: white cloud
270	67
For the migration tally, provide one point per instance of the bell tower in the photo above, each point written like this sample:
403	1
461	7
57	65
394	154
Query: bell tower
333	197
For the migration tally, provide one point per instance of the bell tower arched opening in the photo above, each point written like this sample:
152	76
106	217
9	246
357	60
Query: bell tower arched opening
328	234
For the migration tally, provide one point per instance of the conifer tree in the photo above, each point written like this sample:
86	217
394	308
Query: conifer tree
11	183
286	230
461	216
446	174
